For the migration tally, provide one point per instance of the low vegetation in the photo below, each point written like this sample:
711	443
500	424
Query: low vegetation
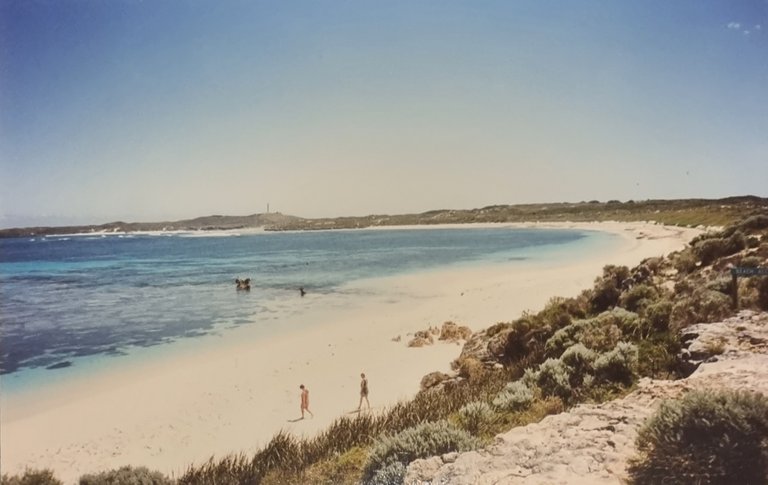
587	348
713	437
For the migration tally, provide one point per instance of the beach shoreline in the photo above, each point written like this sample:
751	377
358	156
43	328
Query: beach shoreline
168	413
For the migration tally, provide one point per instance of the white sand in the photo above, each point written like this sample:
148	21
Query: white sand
204	400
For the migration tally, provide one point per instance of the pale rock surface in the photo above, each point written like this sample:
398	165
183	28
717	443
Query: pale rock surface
591	444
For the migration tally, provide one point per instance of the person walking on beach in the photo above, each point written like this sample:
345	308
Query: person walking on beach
305	401
363	392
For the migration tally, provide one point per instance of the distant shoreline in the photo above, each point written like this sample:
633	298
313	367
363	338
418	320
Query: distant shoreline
678	212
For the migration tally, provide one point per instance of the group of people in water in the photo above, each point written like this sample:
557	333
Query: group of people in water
304	396
245	284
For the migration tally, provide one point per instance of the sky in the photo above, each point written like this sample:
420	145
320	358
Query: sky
168	109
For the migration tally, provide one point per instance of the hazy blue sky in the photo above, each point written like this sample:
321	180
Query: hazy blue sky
165	109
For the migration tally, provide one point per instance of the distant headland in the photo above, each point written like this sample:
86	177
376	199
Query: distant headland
681	212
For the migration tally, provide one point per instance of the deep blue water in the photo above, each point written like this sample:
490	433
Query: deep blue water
67	297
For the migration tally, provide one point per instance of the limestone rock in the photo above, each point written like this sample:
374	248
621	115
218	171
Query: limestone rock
452	332
433	378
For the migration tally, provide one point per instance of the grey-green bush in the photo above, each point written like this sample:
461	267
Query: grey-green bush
392	474
126	476
607	289
421	441
476	417
580	362
713	437
638	297
553	378
31	477
703	306
515	396
657	315
619	365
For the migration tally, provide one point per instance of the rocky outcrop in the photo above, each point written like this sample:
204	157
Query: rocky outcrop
450	332
590	444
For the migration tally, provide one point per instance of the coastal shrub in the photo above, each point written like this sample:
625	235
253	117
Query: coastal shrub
723	284
600	337
754	223
126	475
751	261
607	289
659	356
421	441
703	306
524	343
657	315
580	362
392	474
638	297
566	337
553	379
617	366
476	417
600	333
709	250
716	437
31	477
516	396
685	261
628	322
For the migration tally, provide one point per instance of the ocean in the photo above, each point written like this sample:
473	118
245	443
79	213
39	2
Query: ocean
72	301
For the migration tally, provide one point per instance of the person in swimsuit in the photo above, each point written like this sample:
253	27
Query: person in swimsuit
305	401
363	392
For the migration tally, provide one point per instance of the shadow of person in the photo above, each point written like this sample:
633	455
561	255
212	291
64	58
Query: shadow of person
295	420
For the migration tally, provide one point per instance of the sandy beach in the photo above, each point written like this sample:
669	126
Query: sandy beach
206	400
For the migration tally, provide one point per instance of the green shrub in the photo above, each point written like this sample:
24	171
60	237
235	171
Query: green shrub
709	250
525	342
516	396
657	314
126	476
715	437
580	362
751	261
476	417
685	262
628	322
421	441
600	333
638	297
617	366
754	223
553	379
31	477
607	288
392	474
703	306
723	284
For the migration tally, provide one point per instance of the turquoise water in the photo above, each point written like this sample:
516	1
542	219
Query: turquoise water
75	301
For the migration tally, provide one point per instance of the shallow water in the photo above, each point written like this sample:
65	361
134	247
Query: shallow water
74	300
